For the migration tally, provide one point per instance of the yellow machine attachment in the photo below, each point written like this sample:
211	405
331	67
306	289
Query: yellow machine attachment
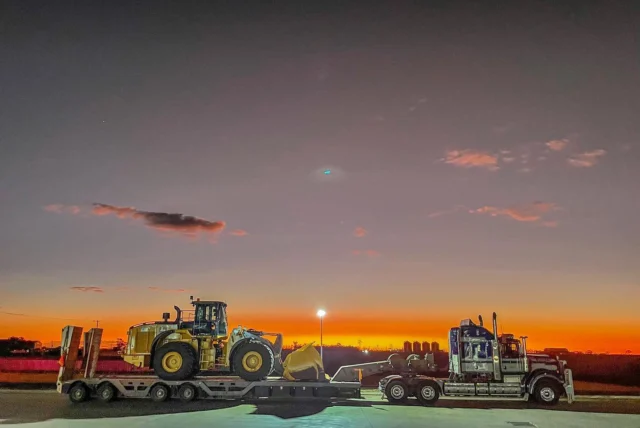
304	364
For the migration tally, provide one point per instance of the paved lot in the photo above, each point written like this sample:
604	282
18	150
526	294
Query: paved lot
40	409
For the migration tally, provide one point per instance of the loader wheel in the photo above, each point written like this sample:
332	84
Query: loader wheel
253	361
427	392
547	392
397	392
175	361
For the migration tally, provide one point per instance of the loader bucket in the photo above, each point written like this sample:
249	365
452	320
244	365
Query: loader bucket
304	364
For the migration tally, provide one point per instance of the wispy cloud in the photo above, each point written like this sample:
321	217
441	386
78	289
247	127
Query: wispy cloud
368	253
445	212
60	208
167	290
557	145
238	232
472	159
88	289
586	159
166	222
525	212
360	232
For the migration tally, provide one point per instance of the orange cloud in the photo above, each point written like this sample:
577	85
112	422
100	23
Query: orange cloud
526	212
360	232
88	289
167	290
472	158
369	253
59	208
167	222
557	145
239	232
586	159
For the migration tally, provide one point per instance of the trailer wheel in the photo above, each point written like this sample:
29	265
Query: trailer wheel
397	392
175	361
547	392
427	392
253	361
187	392
106	392
79	393
159	393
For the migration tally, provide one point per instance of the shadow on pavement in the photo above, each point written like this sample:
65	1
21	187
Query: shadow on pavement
43	408
37	407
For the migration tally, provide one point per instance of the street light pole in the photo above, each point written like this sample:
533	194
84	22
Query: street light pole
321	314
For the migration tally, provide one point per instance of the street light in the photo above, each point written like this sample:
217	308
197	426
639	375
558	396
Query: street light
321	313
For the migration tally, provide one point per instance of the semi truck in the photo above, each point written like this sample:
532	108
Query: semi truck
481	364
485	364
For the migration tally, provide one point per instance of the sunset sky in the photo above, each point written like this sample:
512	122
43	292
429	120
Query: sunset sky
401	167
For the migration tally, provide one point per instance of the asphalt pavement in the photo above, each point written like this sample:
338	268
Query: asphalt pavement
40	409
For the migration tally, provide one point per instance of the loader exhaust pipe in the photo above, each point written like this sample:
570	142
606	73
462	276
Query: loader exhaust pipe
480	320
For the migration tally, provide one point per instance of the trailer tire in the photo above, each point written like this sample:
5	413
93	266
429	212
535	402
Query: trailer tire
175	361
187	392
159	393
78	393
253	361
397	392
427	392
106	392
547	392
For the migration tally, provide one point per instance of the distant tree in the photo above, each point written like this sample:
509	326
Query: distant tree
295	344
628	352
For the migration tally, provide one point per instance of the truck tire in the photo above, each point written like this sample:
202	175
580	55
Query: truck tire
547	392
187	392
175	361
159	393
427	392
253	361
106	392
79	393
397	392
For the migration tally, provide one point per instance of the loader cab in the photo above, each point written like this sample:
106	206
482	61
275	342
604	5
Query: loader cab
208	318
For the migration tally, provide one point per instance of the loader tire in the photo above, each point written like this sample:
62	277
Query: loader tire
175	361
253	361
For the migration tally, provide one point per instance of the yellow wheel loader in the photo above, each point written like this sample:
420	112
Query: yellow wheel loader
199	341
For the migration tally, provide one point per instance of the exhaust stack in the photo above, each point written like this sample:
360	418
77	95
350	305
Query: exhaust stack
524	354
480	320
497	357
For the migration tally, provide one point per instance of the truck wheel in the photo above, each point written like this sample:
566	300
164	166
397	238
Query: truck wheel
79	393
106	392
427	392
186	393
253	361
175	361
397	392
159	393
547	392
